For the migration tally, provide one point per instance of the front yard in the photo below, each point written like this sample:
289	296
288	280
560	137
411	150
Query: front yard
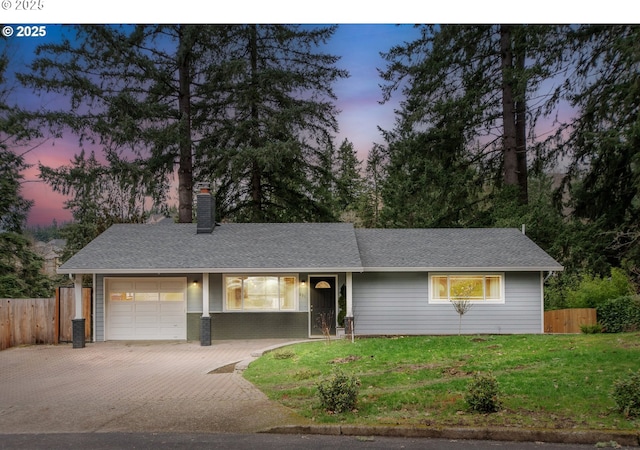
545	381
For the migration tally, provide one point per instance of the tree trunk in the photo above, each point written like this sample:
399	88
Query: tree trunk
185	169
521	124
256	172
510	158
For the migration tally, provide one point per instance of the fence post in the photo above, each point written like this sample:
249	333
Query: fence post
56	318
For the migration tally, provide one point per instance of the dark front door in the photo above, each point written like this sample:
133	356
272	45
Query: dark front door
323	305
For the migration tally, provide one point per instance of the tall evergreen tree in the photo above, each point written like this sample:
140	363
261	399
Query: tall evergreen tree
99	195
276	118
468	85
349	181
20	267
137	93
250	107
603	144
13	132
371	200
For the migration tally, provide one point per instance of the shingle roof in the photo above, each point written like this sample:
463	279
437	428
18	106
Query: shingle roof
169	247
450	249
253	246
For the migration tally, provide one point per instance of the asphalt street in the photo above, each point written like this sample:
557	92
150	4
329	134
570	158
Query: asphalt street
262	441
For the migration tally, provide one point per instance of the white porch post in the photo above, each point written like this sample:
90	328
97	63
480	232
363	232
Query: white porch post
77	286
77	327
348	320
349	295
205	320
205	295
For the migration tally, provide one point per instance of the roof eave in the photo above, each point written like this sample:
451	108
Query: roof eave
107	271
466	269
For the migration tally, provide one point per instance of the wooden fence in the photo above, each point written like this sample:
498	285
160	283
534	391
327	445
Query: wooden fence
568	320
26	321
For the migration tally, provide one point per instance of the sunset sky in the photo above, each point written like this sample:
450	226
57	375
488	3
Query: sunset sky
359	46
361	36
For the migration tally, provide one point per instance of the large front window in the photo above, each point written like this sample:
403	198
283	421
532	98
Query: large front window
476	288
260	293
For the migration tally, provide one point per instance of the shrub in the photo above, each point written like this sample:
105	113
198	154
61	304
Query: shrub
620	314
626	393
483	394
305	374
592	291
283	354
591	329
339	392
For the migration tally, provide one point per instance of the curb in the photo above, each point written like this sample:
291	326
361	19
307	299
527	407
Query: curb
630	439
241	366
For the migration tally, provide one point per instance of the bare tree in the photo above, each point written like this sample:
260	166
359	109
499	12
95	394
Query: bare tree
461	301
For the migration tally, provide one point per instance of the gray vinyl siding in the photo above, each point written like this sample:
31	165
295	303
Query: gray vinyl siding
398	303
215	292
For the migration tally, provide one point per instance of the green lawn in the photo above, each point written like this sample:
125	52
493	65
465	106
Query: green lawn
546	381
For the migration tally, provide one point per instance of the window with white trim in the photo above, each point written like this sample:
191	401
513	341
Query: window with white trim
260	293
487	288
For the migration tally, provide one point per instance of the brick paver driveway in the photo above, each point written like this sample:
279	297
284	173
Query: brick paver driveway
144	386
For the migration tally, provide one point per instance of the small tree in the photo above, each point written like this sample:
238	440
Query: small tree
461	307
324	323
461	301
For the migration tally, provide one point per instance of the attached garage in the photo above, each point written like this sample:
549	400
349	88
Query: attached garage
146	308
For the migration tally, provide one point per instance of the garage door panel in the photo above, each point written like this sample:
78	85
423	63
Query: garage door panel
147	286
120	320
169	307
141	320
147	307
164	320
149	318
171	286
122	307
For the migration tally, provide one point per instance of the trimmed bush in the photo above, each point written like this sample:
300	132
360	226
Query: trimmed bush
483	394
626	393
620	315
339	392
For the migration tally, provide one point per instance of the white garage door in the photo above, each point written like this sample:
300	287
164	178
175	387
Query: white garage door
146	308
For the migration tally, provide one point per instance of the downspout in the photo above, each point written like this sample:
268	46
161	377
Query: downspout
93	307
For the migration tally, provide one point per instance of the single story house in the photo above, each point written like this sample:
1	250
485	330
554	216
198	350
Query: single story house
207	281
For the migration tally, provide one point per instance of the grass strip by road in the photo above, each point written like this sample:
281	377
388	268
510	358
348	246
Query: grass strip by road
545	381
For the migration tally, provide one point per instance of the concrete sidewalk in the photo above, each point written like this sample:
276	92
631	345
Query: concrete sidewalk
141	386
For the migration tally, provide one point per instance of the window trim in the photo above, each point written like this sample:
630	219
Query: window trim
296	299
440	301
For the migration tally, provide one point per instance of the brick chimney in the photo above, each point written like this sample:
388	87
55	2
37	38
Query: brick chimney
206	210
